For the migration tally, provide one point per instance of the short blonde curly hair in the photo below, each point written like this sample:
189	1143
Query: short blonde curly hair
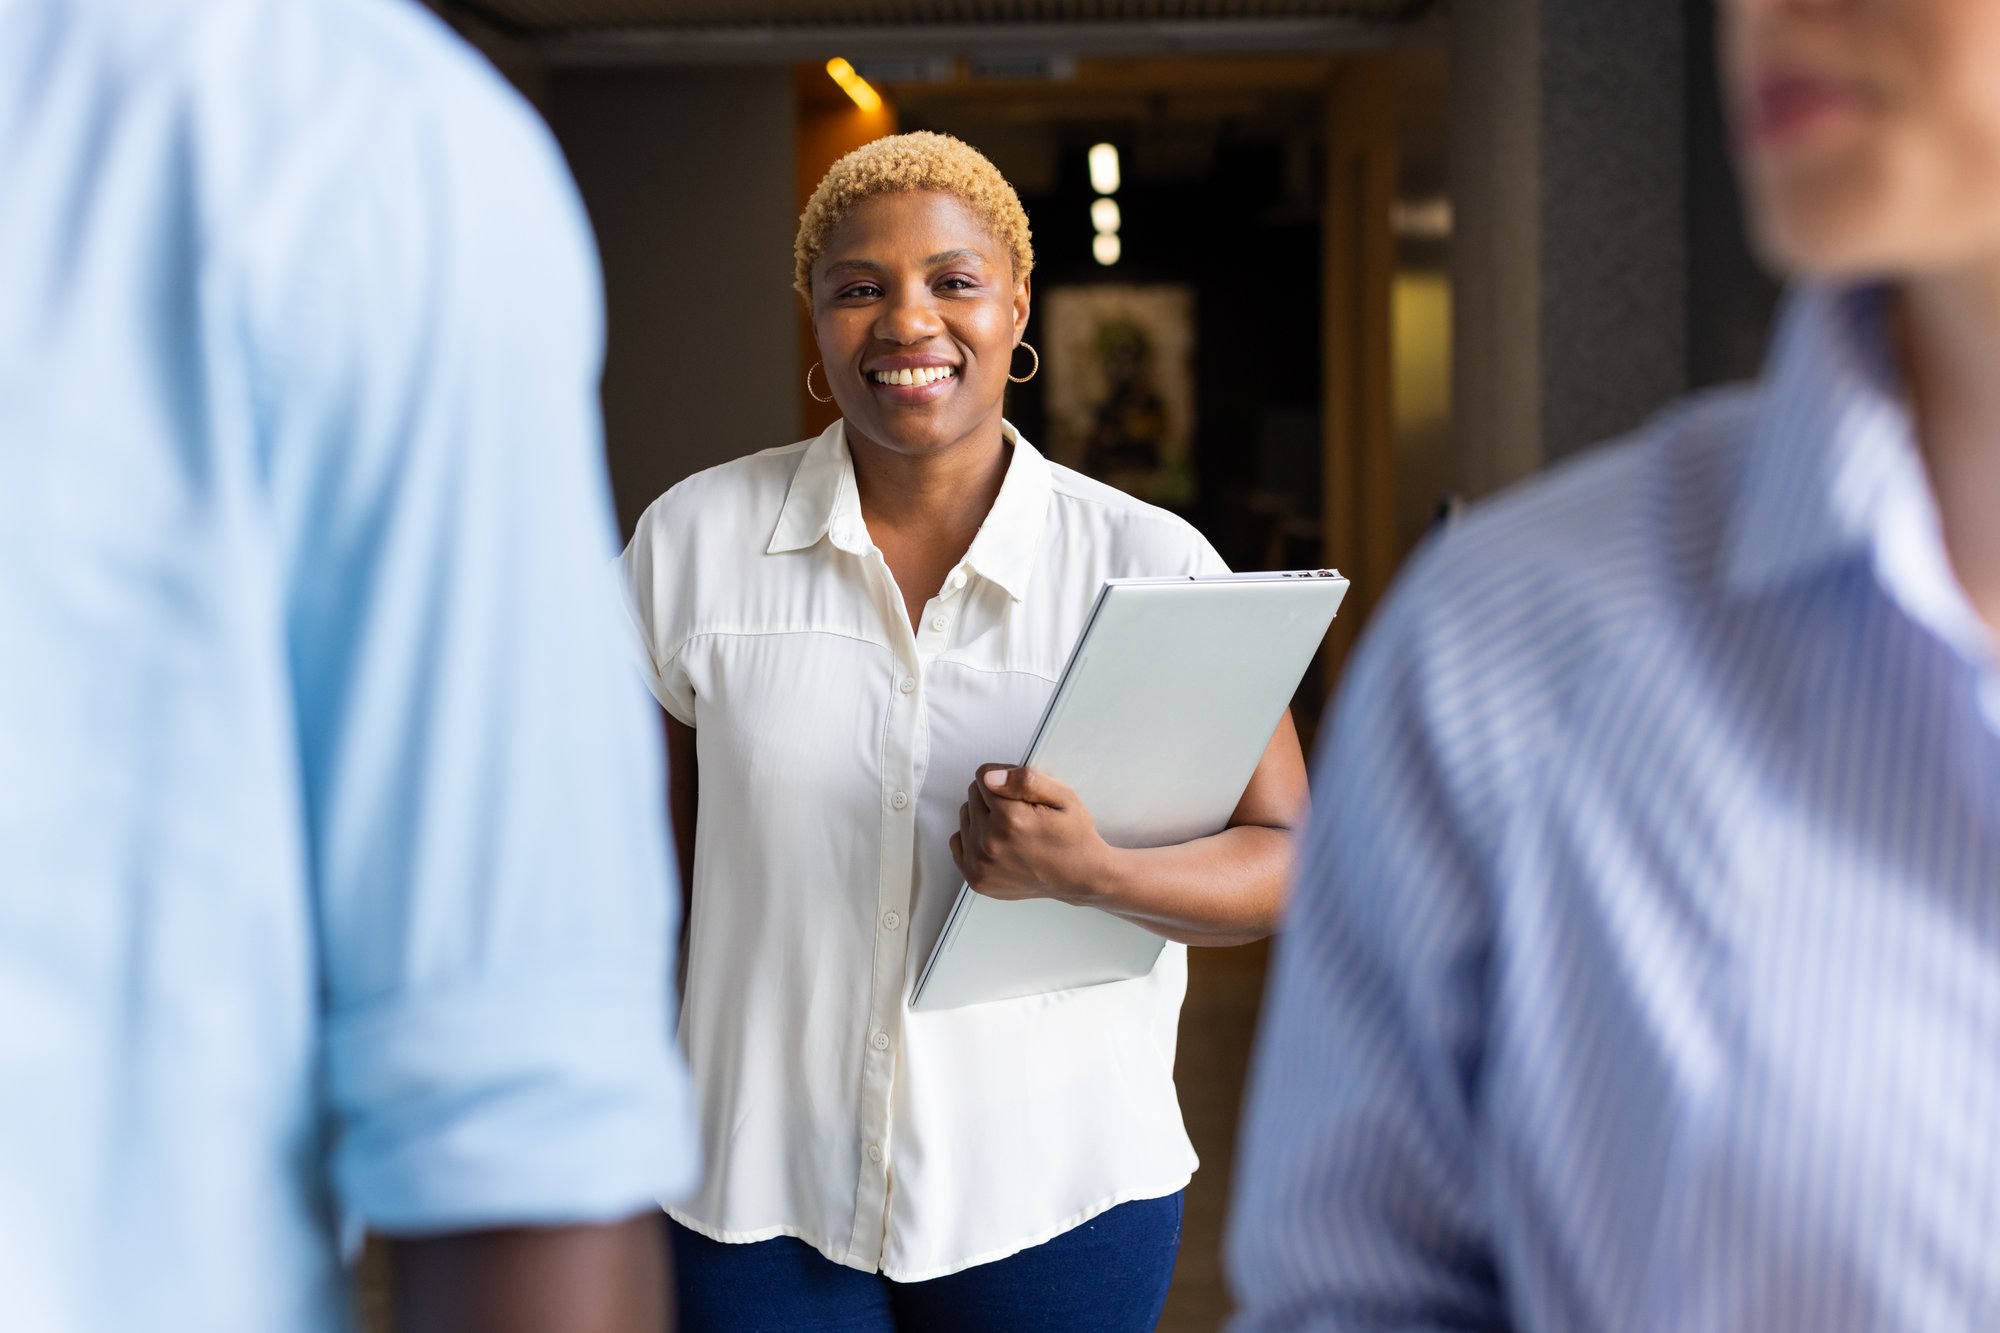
920	160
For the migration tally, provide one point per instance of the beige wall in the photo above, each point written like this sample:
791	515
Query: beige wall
690	179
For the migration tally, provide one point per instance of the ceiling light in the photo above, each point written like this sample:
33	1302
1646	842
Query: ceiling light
1104	214
853	85
1104	168
1107	248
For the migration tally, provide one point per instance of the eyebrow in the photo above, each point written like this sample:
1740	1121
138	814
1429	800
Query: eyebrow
872	266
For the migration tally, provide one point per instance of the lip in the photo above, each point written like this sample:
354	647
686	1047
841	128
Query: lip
1785	107
907	361
911	394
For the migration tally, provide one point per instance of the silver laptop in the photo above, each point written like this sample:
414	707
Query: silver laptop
1170	698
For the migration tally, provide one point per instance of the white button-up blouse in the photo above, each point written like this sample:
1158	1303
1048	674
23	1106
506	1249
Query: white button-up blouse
836	741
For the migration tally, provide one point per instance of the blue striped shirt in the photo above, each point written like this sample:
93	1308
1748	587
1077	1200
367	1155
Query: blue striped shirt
1644	965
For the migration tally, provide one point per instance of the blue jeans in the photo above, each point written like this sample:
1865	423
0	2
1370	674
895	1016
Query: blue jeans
1108	1275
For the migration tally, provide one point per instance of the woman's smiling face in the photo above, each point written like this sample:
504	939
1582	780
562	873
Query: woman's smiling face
916	311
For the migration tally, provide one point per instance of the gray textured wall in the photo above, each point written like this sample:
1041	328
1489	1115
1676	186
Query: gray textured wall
1495	167
1571	249
689	176
1731	298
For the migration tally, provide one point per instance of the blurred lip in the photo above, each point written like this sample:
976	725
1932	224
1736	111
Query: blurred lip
1785	106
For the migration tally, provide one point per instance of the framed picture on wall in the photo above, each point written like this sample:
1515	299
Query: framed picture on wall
1121	393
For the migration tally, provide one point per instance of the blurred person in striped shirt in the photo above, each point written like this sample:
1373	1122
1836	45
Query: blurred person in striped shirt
1643	969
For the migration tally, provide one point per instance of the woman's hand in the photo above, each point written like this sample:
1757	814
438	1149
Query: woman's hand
1022	834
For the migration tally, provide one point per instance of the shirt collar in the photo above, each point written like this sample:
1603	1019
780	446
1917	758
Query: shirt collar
1834	474
1831	447
823	502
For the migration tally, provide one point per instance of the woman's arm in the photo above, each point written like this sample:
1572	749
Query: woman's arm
1022	834
609	1278
683	784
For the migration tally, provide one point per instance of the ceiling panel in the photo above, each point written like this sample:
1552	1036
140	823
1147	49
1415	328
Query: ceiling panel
556	15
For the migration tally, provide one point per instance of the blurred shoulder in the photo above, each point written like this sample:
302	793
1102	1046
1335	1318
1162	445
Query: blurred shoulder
289	119
414	54
288	56
1505	629
1535	587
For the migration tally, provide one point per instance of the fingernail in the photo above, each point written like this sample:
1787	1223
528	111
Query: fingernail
996	777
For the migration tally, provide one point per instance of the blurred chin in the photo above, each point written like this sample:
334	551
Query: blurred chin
1875	217
1812	247
1828	226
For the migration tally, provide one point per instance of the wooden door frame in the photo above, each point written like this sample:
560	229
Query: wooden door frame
1358	501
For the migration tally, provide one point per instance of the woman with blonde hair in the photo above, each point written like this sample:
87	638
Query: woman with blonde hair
847	633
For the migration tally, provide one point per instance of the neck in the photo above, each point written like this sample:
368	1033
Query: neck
944	492
1950	326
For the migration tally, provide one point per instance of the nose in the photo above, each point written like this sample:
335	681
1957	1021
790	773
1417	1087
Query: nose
909	315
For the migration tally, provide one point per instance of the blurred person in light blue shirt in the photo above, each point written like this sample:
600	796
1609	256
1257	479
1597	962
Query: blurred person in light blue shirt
1643	968
334	891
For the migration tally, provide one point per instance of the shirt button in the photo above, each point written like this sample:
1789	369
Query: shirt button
874	1152
899	800
907	684
881	1041
939	622
957	579
890	920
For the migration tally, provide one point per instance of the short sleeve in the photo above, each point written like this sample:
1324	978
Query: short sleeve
653	595
482	780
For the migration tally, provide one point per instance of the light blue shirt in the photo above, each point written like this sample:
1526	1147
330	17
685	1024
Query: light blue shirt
333	882
1644	968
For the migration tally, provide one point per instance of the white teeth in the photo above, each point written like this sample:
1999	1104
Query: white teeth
927	375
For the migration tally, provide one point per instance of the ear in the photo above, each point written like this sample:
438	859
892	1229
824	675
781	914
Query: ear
1022	300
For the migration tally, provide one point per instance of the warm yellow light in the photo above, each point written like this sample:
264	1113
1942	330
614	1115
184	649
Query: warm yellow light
854	85
1104	214
1107	248
1104	168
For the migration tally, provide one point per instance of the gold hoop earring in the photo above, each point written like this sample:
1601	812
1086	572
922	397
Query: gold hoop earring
1032	370
809	387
